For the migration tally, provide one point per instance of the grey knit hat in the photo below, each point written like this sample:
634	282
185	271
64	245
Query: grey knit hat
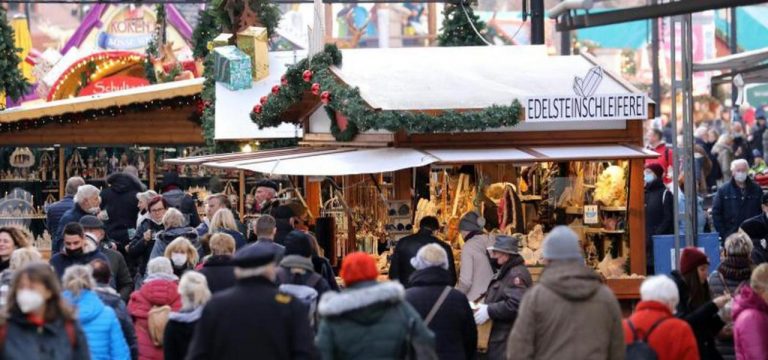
561	244
471	222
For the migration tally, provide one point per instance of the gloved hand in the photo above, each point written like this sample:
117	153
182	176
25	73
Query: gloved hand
481	315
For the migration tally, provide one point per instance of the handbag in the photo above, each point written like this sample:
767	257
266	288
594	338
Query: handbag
416	349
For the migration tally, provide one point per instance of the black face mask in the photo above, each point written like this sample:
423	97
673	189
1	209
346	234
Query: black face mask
74	252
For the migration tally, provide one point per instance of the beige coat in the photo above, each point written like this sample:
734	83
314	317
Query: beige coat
476	272
570	314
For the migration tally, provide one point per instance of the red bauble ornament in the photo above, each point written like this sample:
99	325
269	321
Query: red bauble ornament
283	80
316	89
257	108
276	89
307	75
325	97
263	100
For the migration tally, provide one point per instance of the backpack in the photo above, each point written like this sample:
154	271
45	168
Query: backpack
639	348
305	293
157	319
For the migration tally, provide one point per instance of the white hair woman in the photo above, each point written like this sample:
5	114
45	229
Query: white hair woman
750	313
160	290
19	258
175	226
183	255
194	292
653	320
99	322
143	205
224	221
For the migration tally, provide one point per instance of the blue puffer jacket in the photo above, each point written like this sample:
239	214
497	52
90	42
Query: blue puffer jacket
101	327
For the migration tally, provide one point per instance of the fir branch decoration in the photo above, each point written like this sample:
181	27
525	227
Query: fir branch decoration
205	31
12	81
361	117
158	39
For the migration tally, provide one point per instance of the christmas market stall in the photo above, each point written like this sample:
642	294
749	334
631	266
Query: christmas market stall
529	140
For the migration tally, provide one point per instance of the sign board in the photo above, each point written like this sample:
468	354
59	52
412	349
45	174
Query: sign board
757	94
113	83
585	105
590	214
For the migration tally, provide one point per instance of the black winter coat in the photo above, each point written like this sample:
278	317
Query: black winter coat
299	270
454	323
757	229
742	150
179	332
185	203
733	205
253	321
121	204
24	340
55	211
140	250
72	215
659	211
505	293
400	268
283	229
324	268
219	272
123	280
62	260
704	320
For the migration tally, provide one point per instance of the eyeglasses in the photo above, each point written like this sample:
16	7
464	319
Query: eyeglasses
157	210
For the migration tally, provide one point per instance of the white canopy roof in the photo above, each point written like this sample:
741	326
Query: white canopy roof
735	62
330	161
471	77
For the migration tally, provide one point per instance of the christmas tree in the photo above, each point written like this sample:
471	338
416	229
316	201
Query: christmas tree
205	31
12	81
457	30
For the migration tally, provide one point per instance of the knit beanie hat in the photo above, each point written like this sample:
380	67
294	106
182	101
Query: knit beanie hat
471	222
430	255
561	244
691	259
357	267
298	243
657	169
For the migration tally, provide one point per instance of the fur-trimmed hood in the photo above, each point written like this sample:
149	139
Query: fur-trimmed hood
361	296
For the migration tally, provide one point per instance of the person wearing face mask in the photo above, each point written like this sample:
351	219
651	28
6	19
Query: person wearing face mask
95	231
140	248
38	321
659	209
757	229
77	250
736	201
87	201
741	148
656	143
182	254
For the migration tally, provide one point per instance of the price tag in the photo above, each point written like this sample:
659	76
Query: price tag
590	214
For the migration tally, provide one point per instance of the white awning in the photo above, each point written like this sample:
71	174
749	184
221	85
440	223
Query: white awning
330	161
734	62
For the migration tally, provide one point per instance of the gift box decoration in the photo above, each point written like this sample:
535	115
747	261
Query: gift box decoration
220	40
232	68
254	42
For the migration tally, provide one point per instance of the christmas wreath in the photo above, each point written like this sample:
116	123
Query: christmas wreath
314	75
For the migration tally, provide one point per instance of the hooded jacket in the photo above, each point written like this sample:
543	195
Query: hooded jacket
569	314
179	332
219	272
111	298
298	270
368	321
101	327
25	340
158	290
167	236
476	272
454	323
120	202
672	339
63	260
750	330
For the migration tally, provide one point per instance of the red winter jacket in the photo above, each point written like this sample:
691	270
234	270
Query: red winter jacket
665	159
672	340
158	292
750	327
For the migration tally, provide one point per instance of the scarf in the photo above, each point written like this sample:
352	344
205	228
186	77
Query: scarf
736	268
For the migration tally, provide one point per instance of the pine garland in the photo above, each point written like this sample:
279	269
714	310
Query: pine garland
457	31
205	31
12	81
361	117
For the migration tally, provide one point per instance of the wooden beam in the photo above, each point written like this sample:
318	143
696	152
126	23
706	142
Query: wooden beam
152	159
636	215
432	23
62	179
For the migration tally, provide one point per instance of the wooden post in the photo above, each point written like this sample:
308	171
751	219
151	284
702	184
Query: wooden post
329	23
312	197
432	23
636	214
151	168
241	194
62	173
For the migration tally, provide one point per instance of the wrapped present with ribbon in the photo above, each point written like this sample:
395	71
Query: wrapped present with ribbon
254	42
232	67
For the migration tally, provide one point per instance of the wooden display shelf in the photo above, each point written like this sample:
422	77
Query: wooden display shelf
625	289
525	198
613	208
603	231
574	210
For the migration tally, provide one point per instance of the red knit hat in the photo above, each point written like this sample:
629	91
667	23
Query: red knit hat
357	267
691	259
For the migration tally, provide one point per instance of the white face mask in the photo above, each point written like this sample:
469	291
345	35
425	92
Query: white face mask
740	176
179	259
29	300
94	210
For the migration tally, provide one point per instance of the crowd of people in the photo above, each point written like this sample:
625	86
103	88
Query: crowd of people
152	284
